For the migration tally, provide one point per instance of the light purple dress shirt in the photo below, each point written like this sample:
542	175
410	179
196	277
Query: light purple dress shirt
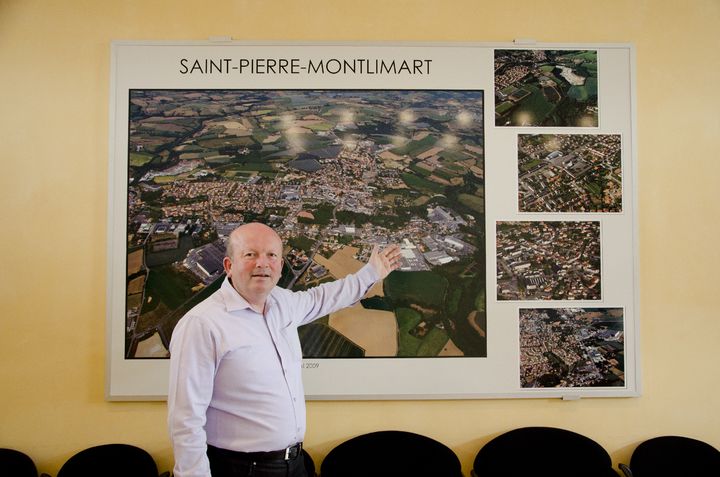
236	375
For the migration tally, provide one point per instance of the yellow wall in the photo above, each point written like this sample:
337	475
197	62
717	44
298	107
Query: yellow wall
54	85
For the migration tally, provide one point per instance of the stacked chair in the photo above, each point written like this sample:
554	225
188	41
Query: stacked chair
309	464
391	454
540	452
673	455
111	460
16	464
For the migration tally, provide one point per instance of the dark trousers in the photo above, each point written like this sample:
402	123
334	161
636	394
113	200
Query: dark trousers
226	463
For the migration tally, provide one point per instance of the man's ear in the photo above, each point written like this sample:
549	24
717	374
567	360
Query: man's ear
227	265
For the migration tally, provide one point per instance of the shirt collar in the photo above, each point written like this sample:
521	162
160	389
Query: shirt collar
234	301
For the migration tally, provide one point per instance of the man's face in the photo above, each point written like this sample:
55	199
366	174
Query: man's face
256	264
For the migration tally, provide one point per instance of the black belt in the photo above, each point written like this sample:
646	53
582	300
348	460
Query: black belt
289	453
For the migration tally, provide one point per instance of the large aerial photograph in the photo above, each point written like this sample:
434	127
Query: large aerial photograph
549	88
569	173
334	172
572	347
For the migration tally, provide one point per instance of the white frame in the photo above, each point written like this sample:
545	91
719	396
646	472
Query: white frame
154	65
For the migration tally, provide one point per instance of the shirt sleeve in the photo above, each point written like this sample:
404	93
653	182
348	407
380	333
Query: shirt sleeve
329	297
192	370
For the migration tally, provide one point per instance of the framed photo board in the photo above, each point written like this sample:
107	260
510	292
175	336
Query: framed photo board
506	173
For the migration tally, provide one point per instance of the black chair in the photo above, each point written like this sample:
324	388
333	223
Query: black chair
673	455
111	460
542	451
16	464
309	464
391	454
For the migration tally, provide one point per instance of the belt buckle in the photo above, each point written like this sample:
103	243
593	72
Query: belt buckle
292	451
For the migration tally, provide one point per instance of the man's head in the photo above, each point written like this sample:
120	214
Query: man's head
254	261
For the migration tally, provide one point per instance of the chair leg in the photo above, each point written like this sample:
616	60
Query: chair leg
625	470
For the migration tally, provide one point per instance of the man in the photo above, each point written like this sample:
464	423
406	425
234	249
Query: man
236	402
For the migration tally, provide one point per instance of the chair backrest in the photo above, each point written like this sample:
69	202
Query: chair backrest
16	464
540	451
674	455
110	460
391	453
309	464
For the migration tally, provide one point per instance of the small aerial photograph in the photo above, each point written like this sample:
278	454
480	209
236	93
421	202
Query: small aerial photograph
548	260
550	88
569	173
572	347
334	173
